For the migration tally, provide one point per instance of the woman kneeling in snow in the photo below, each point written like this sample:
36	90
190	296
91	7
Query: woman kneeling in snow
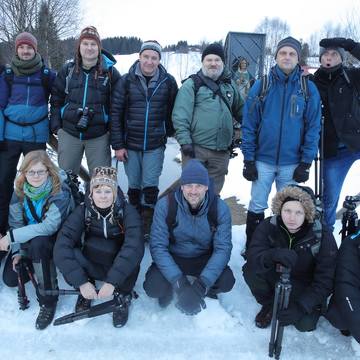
39	206
102	240
292	238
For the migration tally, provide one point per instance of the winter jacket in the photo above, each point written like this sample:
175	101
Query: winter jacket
204	119
89	246
315	266
141	115
85	89
193	238
344	310
283	128
56	209
24	108
340	95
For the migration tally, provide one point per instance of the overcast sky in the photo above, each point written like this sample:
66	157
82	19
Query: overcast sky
195	20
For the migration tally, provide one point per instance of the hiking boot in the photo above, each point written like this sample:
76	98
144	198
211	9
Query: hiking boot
45	317
82	304
345	332
164	301
121	314
263	317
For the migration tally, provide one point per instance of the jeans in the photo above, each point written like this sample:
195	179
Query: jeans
267	174
335	171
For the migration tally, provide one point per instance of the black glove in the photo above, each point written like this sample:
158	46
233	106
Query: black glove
301	173
181	284
3	145
286	257
346	44
291	315
250	172
188	150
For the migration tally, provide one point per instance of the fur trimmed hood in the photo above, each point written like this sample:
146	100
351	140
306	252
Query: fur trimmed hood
303	194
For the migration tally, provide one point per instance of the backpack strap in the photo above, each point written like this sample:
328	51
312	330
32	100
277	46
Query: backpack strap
198	82
171	215
69	72
212	214
265	85
304	84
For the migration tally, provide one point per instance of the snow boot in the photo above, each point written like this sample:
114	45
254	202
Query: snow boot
263	317
121	314
46	316
82	304
134	196
252	221
147	214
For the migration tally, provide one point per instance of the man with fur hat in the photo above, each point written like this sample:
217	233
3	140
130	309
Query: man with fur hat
141	122
280	131
102	240
24	124
189	245
339	89
207	104
80	104
294	238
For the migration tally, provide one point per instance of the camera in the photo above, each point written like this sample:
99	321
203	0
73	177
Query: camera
85	115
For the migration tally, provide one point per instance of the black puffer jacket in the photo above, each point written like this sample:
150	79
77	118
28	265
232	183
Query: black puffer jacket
85	89
315	266
341	106
109	252
139	120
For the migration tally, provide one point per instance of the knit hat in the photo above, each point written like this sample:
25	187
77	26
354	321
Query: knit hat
103	175
90	32
194	172
151	45
340	50
26	38
214	49
289	41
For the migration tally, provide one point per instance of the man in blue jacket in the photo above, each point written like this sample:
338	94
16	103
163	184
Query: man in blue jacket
191	246
24	122
281	129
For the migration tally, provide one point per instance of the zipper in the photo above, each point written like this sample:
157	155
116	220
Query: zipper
282	120
28	91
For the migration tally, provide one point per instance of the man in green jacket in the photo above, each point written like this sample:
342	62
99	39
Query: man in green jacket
205	108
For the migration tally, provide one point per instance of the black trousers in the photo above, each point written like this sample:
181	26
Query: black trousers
156	285
9	159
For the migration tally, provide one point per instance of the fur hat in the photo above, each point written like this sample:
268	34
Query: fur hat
103	175
26	38
302	194
214	49
151	45
289	41
340	50
194	172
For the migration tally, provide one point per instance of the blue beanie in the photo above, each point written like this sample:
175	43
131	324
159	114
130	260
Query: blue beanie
194	172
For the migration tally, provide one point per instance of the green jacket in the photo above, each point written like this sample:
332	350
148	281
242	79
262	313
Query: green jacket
204	119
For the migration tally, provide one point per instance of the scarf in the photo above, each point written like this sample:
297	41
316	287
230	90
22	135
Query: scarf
26	67
38	193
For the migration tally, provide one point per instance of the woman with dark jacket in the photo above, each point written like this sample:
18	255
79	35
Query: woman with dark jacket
296	240
102	240
38	207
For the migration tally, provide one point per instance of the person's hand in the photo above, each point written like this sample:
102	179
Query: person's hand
88	291
346	44
106	290
286	257
301	172
291	315
188	150
15	260
191	298
250	172
121	155
4	243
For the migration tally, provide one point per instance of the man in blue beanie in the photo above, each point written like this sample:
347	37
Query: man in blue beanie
190	236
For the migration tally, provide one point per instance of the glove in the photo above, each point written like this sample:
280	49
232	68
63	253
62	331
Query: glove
346	44
250	172
180	284
291	315
286	257
188	150
301	173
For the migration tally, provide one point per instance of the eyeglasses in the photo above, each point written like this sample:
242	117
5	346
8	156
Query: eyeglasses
32	173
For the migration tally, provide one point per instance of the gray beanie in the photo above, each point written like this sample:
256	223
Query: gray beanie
289	41
151	45
340	50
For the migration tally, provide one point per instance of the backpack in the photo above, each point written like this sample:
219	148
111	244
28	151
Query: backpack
212	214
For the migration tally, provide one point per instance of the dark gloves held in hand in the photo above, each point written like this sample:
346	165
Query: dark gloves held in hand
346	44
250	172
291	315
191	297
188	150
285	257
301	173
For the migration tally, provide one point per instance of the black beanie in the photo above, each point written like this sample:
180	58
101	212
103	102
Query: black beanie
214	49
289	41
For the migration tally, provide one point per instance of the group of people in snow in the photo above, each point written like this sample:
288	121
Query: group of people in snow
100	242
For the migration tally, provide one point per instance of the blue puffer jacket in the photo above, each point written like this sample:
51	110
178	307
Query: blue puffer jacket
283	129
193	238
27	104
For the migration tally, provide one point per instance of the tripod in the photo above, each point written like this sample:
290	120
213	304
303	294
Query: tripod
350	218
281	301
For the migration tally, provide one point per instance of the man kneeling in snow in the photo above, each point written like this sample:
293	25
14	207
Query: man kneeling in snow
196	242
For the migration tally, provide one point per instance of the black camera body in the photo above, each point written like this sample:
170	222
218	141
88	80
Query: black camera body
85	115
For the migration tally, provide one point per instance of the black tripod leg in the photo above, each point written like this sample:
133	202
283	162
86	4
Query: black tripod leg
274	320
